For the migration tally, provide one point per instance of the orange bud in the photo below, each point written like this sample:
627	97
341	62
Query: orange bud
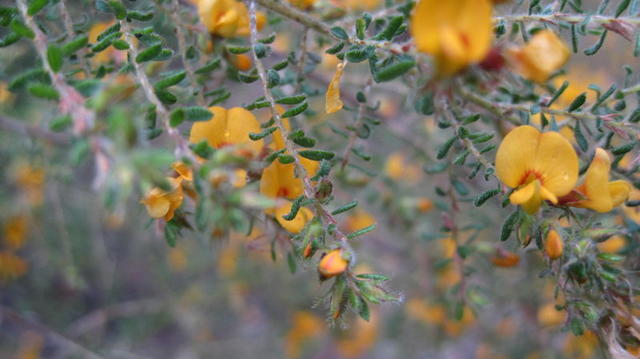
242	62
505	259
424	204
332	264
553	246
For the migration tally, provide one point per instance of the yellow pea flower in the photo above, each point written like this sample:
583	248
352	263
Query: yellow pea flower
457	33
163	204
333	103
332	264
229	127
597	192
242	62
544	54
554	246
227	18
505	259
296	225
540	166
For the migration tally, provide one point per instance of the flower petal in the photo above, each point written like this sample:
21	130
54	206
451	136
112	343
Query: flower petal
557	163
515	153
333	103
619	191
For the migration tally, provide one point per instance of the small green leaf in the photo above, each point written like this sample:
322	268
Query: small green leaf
291	100
44	91
149	53
35	6
170	80
296	110
484	196
345	208
264	133
74	45
208	67
361	232
54	57
339	33
577	102
21	29
316	155
509	225
392	71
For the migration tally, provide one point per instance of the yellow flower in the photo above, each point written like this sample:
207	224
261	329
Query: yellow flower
30	180
295	225
544	54
15	231
333	103
427	313
241	62
183	171
553	247
505	259
332	264
599	194
227	128
399	169
457	33
163	204
227	18
540	166
359	338
612	245
11	266
303	4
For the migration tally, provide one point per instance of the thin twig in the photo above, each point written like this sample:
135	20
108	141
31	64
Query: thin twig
182	48
68	26
182	146
599	20
284	9
300	170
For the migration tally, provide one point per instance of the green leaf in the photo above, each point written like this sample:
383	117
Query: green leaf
291	262
44	91
176	117
445	147
345	208
35	6
624	4
118	9
373	277
295	207
594	49
10	39
360	28
262	134
74	45
149	53
509	225
577	102
484	196
364	310
621	150
170	80
286	159
291	100
339	33
208	67
296	110
316	155
120	44
361	232
391	29
580	139
238	49
197	114
335	48
139	16
21	29
54	57
166	97
304	142
392	71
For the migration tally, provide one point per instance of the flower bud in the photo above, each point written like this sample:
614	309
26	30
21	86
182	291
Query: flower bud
553	246
505	259
332	264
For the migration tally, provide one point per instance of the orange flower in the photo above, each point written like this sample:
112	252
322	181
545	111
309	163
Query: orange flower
553	246
505	259
163	204
333	103
227	18
15	231
596	191
332	264
544	54
540	166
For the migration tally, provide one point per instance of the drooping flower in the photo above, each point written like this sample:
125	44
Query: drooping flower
163	204
505	259
333	103
229	128
544	54
540	166
457	33
596	192
612	245
332	264
227	18
553	246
